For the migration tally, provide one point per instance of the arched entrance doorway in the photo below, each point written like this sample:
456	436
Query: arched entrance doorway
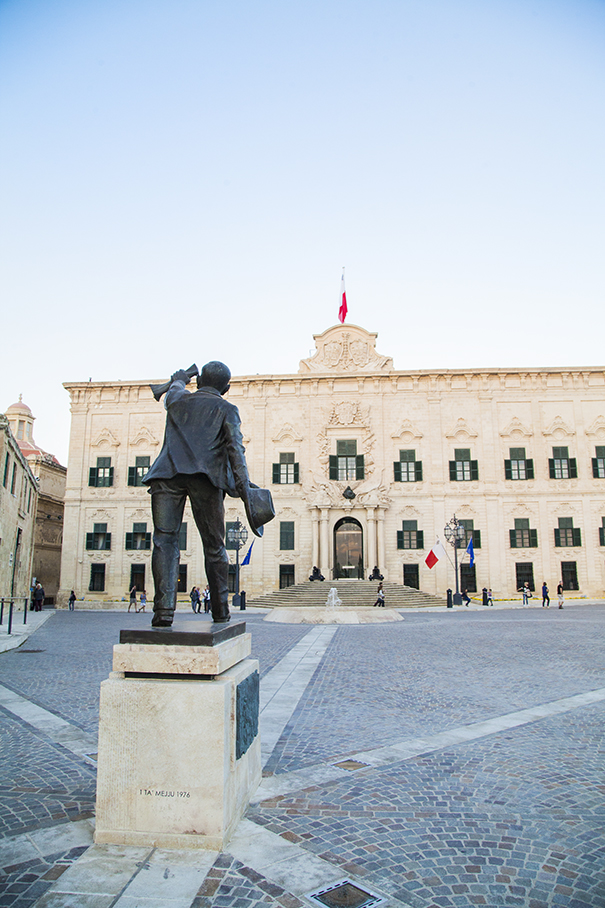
348	548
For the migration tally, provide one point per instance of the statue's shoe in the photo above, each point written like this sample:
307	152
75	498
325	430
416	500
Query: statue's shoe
162	619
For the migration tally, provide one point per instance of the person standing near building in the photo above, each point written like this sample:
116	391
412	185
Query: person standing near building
142	601
380	596
490	597
133	599
526	593
206	595
38	597
194	595
545	596
72	599
560	593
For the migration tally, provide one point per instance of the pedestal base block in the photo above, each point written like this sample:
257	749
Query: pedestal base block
178	759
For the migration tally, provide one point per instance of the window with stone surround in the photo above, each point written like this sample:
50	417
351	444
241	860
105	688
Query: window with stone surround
286	535
602	532
183	538
566	535
286	576
101	476
137	473
598	462
523	537
97	578
407	468
518	467
462	468
347	464
99	539
286	472
470	533
409	536
561	465
139	538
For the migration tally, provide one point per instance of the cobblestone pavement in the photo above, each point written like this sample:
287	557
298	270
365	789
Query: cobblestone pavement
512	818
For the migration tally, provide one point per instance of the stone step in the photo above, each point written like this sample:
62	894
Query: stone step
351	592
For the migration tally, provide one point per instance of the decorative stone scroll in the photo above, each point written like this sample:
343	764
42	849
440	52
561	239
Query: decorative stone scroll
346	349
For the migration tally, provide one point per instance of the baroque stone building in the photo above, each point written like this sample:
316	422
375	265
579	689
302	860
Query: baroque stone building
366	463
50	476
18	501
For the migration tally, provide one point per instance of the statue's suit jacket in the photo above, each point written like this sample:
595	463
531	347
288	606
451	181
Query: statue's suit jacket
202	435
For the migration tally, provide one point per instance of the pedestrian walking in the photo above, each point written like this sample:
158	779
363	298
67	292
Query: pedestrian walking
526	593
38	597
72	599
142	602
206	595
560	594
490	597
379	596
133	599
465	597
194	595
545	596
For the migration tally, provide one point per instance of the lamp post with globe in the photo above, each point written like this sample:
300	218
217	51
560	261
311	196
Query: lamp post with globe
237	534
455	533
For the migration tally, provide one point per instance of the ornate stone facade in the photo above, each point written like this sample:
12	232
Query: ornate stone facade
366	464
18	502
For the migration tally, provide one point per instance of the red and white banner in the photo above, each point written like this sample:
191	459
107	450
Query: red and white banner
435	555
342	312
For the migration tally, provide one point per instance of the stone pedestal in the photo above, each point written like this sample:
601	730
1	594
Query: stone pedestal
179	749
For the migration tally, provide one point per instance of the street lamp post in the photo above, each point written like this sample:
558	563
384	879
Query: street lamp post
237	536
455	533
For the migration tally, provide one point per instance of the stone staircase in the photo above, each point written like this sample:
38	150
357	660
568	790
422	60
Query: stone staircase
358	593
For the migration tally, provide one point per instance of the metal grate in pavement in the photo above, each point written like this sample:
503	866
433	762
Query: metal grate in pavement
351	765
345	894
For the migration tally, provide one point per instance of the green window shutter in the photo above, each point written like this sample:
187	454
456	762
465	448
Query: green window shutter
452	471
110	480
508	470
595	468
296	473
107	541
601	535
360	470
577	536
132	476
397	470
183	537
90	540
147	540
557	537
128	544
420	539
333	466
533	539
276	474
399	539
573	468
513	538
474	469
529	469
551	469
476	539
92	476
419	472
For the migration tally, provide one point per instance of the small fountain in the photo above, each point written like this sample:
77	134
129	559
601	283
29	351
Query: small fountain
333	600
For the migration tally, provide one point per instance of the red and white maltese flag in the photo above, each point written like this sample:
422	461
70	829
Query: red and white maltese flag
342	312
436	553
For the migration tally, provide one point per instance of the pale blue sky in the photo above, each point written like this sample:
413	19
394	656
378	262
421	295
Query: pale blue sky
175	170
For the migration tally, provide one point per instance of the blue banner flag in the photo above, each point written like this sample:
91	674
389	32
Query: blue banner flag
247	558
469	550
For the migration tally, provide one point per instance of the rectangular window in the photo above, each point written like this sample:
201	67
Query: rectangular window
181	586
286	576
409	536
286	535
97	578
139	538
470	533
347	464
522	537
99	539
14	478
20	429
137	473
286	472
6	469
518	467
569	575
561	465
231	578
137	577
566	535
29	500
602	532
183	538
407	468
525	574
101	476
462	468
598	463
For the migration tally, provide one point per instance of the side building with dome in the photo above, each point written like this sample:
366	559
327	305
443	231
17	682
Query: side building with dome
367	463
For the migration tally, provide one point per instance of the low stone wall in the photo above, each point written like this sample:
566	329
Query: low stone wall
115	605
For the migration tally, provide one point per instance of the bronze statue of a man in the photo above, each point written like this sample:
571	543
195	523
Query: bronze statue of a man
202	458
